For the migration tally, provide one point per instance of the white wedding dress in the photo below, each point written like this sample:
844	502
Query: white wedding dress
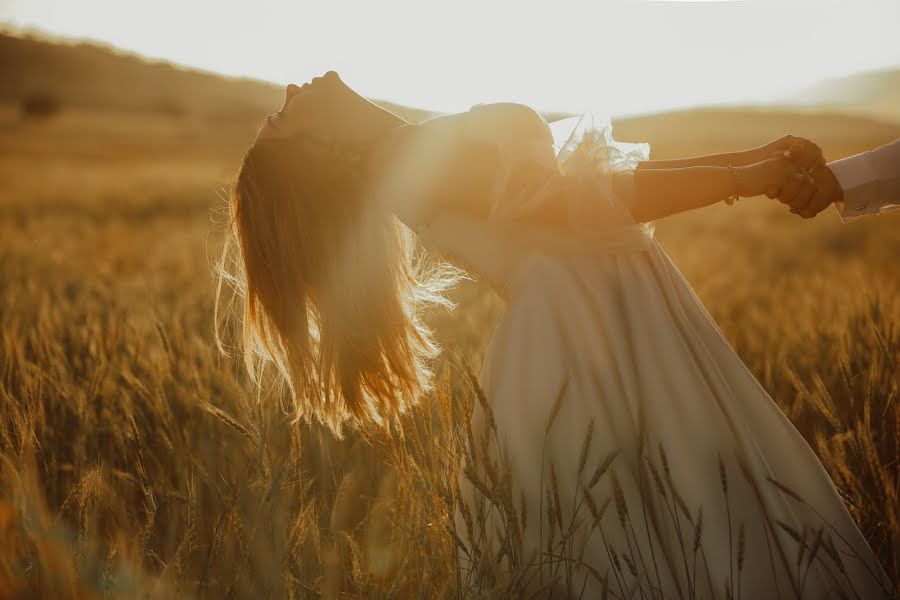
599	317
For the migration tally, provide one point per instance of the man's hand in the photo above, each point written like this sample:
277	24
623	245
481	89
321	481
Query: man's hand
826	190
800	151
812	187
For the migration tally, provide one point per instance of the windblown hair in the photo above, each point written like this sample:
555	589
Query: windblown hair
330	290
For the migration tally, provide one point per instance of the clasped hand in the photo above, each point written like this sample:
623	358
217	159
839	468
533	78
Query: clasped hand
793	171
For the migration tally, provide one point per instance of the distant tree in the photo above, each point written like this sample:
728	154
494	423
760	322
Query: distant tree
40	105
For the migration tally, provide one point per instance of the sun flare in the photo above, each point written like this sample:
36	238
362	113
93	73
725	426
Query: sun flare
623	56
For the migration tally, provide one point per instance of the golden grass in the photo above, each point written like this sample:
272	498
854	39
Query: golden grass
136	462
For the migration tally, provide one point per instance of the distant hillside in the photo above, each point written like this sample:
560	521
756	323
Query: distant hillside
876	93
87	75
703	131
92	77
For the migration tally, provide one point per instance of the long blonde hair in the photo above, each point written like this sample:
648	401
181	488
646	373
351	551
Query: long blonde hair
330	291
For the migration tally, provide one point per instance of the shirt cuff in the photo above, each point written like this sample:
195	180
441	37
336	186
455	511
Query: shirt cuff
859	181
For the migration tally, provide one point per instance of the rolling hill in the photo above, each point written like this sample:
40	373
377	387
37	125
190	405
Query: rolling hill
844	115
87	75
875	94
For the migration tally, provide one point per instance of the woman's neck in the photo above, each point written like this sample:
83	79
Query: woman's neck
376	122
387	136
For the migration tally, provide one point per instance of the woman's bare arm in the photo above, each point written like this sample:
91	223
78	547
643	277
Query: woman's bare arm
802	151
652	194
734	159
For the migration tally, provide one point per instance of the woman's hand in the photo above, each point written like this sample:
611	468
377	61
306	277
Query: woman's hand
800	150
771	176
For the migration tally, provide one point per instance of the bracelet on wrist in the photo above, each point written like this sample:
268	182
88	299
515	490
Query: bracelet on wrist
736	195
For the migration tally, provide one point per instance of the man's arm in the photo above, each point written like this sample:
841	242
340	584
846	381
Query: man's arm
865	184
870	182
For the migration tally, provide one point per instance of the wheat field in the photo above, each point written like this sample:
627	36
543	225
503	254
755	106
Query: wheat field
136	462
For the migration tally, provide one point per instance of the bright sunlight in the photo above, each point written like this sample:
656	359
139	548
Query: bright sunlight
620	56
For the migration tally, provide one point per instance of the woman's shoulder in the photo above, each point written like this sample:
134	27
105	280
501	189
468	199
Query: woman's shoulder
518	117
505	107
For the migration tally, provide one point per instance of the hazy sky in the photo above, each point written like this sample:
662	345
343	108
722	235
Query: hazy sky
615	55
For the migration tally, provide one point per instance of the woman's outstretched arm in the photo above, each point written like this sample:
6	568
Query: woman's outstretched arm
652	194
734	159
803	151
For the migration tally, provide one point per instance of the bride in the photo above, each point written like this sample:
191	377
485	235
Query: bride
606	377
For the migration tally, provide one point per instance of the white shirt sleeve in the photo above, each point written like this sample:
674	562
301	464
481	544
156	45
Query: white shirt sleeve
870	181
